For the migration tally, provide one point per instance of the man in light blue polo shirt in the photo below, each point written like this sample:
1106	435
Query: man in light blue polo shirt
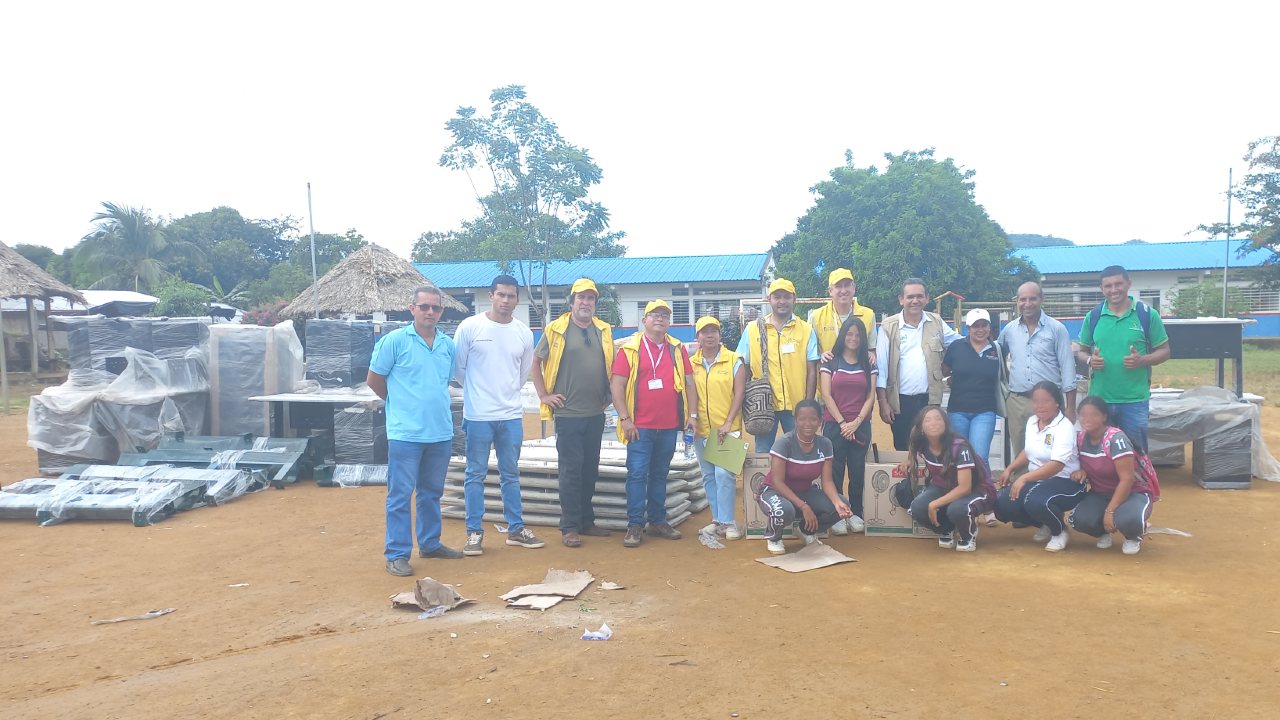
410	369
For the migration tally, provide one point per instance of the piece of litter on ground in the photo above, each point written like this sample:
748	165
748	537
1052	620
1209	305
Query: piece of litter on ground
559	584
604	633
436	611
501	528
810	557
1095	687
609	585
145	616
536	602
710	541
1167	531
485	656
453	635
428	595
683	662
673	587
239	585
1004	683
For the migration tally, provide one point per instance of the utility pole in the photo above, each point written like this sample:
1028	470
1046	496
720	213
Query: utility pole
1227	260
315	301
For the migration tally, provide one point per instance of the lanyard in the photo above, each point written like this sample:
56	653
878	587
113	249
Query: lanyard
654	363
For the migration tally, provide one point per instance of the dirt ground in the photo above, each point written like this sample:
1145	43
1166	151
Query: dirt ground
1190	628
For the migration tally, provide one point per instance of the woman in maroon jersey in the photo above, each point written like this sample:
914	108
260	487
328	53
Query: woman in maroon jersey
1122	481
959	486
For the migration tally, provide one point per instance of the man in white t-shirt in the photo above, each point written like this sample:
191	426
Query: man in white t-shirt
495	354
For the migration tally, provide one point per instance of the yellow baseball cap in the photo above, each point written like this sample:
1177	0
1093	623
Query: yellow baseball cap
583	284
782	284
656	305
704	321
839	274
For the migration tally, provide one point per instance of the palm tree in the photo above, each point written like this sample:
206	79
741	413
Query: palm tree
127	249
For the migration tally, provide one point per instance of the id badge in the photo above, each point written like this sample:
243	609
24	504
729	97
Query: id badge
788	348
655	384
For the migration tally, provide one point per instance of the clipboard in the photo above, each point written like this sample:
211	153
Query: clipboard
730	455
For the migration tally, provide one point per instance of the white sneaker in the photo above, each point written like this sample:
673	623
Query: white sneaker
855	524
731	532
946	542
1131	547
809	539
970	546
1105	542
709	529
1042	535
776	547
840	528
473	546
1057	542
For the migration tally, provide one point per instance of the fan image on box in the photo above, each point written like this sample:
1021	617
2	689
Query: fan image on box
882	483
753	486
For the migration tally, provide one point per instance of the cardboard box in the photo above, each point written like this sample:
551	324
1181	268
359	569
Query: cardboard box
882	515
753	473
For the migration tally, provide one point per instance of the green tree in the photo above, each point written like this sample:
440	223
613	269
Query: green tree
1031	240
1204	299
917	217
38	254
1259	193
127	250
537	208
179	298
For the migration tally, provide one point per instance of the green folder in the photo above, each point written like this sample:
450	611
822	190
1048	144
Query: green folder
729	455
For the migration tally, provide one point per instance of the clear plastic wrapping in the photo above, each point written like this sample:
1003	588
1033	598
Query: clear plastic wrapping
22	500
140	502
338	351
246	361
360	435
98	343
96	415
1217	418
359	475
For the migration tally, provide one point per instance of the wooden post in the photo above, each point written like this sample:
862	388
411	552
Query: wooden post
48	327
4	371
33	326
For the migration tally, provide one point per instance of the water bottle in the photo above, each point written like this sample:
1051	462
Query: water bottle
688	445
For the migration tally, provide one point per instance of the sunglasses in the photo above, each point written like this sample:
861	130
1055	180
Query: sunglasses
428	307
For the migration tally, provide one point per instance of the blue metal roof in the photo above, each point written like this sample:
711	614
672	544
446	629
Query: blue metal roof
611	270
1065	259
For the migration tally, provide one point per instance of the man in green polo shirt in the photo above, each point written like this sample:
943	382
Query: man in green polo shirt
1120	352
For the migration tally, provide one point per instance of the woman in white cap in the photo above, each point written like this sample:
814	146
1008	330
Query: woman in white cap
721	379
974	368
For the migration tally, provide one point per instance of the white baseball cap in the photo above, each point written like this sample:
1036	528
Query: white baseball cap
975	315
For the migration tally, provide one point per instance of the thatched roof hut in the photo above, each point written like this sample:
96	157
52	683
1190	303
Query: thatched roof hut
21	278
372	279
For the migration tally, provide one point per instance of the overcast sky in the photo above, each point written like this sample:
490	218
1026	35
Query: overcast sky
1095	122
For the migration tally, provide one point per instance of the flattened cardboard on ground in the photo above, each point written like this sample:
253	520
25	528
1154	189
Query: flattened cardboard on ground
753	518
810	557
428	593
881	513
557	585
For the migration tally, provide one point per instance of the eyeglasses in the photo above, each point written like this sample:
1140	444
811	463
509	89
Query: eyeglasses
428	307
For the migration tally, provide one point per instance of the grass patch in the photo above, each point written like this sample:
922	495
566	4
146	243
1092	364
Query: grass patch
1261	373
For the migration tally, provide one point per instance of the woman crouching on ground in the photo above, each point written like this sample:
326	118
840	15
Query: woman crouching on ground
959	485
1122	482
1046	491
788	494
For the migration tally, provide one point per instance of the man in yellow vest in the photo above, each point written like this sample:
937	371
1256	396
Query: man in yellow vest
793	358
571	376
720	380
827	320
655	397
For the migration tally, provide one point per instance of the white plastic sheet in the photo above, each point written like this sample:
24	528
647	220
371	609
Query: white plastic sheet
1203	411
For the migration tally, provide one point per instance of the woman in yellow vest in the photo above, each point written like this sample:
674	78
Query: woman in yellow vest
720	378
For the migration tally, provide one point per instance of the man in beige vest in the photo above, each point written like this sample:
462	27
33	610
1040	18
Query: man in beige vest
909	346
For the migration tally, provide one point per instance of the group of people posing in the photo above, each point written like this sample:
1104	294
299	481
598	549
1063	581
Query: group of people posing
825	376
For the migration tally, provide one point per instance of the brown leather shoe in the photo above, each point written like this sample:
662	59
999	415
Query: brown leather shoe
571	539
633	537
596	531
665	531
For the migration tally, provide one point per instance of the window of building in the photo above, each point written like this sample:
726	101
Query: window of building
1151	298
1260	299
680	312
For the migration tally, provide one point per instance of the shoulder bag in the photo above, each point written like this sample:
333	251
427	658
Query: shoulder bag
757	399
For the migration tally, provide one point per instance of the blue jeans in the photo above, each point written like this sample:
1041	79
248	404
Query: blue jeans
721	484
504	436
648	463
414	467
979	428
785	418
1133	418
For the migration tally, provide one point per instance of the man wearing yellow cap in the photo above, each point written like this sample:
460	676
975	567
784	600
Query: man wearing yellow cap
793	358
571	376
655	397
826	320
721	380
